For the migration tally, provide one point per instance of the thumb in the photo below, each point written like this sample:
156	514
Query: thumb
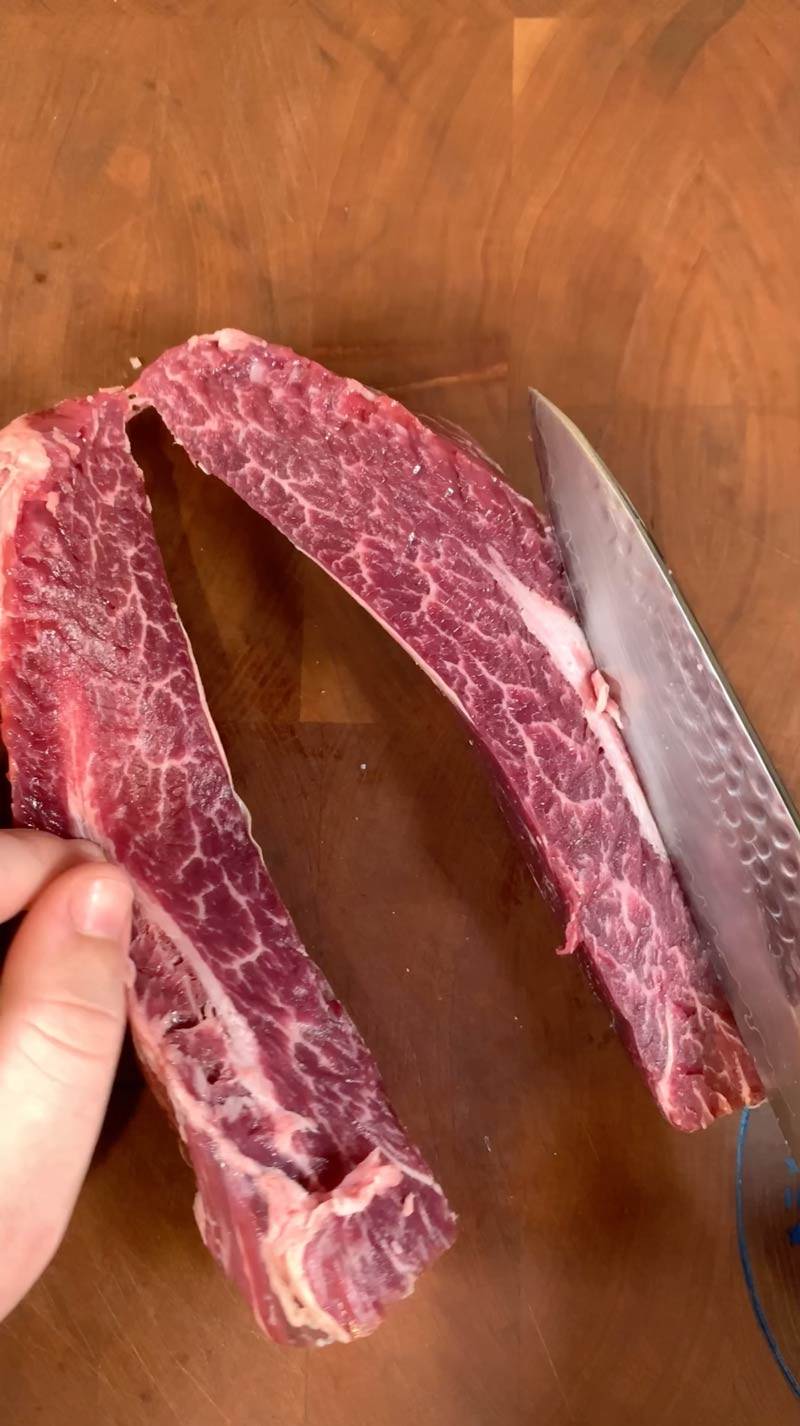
62	1014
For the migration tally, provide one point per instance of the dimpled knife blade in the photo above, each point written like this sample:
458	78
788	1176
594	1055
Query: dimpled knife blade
728	824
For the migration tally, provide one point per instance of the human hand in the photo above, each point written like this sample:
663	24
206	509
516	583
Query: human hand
62	1016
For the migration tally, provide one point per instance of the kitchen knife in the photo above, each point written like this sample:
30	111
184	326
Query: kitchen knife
727	822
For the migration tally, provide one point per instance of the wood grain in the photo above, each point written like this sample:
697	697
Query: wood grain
448	200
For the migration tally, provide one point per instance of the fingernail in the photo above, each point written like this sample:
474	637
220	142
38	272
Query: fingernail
101	907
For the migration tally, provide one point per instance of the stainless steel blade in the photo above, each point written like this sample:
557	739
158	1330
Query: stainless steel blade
727	822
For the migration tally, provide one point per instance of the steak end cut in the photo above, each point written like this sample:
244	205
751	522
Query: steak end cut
425	533
310	1194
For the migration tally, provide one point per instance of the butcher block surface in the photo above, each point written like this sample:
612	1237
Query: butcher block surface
448	200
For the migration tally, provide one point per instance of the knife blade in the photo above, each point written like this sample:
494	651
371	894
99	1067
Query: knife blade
726	820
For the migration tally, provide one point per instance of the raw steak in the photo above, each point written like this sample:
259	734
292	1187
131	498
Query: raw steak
461	570
310	1195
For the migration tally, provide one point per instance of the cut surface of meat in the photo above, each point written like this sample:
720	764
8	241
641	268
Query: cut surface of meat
310	1194
462	571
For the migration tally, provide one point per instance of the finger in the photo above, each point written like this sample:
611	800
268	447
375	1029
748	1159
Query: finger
61	1024
29	860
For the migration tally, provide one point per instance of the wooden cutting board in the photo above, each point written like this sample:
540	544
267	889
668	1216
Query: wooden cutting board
448	200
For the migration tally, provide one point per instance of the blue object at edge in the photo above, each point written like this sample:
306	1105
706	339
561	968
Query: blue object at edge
747	1269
